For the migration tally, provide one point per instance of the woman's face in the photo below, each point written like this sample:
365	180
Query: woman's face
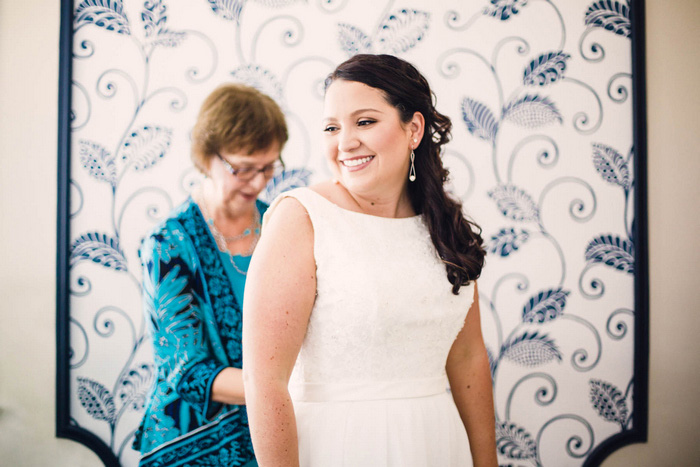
366	143
238	195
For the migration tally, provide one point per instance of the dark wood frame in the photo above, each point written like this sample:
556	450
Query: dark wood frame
638	433
65	428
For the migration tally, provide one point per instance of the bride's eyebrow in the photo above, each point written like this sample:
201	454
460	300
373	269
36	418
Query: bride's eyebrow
353	114
359	111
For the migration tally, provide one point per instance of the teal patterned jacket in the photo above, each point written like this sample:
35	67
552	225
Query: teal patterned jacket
195	323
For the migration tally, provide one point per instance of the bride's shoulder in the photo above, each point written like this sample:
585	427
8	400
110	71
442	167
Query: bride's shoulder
287	217
334	192
326	188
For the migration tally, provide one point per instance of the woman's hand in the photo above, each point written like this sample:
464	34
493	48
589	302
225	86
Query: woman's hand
279	296
228	387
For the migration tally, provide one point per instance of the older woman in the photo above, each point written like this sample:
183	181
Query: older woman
375	304
195	264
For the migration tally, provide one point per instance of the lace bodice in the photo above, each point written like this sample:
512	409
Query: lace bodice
384	310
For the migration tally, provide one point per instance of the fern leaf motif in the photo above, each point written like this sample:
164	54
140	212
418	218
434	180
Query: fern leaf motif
229	10
515	203
402	30
504	9
531	350
96	400
546	69
98	161
514	441
612	251
545	306
98	248
611	165
352	40
479	119
146	146
153	17
107	14
610	15
507	241
167	38
134	388
287	180
261	79
532	111
609	401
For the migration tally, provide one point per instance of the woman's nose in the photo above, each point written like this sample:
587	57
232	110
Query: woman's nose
259	181
347	141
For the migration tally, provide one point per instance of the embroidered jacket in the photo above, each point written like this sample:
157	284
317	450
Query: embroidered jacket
195	323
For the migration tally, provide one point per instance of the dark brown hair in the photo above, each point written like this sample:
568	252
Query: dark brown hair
236	118
457	240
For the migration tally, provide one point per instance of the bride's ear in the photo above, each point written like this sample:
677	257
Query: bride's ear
417	127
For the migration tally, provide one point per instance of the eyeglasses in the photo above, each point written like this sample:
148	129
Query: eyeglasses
249	173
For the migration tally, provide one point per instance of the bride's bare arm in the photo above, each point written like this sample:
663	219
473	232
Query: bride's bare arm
279	295
470	380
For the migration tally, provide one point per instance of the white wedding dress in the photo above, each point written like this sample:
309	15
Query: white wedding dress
369	385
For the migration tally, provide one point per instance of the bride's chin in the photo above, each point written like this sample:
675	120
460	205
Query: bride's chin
360	180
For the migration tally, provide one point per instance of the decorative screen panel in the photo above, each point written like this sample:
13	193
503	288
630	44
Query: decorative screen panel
547	155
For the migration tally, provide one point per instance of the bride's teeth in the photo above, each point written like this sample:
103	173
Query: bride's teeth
356	162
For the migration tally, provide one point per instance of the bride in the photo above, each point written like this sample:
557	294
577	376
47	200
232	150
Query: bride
361	305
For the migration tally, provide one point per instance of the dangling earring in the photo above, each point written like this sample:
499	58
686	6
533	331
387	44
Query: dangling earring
412	171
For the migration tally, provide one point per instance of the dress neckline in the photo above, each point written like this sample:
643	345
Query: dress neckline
390	219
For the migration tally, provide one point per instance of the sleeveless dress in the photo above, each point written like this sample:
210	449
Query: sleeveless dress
369	385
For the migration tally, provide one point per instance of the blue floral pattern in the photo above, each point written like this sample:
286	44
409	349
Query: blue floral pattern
195	386
222	443
541	155
196	325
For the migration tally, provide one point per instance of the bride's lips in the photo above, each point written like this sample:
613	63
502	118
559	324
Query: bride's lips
353	164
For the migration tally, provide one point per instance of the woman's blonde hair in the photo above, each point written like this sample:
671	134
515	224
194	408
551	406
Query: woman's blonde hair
236	118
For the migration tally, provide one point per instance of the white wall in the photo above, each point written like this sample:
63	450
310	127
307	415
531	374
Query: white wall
28	133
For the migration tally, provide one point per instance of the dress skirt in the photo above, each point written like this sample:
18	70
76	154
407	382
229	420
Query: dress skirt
423	431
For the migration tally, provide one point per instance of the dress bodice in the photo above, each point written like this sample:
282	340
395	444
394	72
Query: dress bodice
384	312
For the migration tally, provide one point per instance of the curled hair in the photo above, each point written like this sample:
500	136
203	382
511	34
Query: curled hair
457	240
236	118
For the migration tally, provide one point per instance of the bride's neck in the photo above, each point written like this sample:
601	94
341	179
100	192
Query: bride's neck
383	205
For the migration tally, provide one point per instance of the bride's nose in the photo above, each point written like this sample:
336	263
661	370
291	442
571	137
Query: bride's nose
348	140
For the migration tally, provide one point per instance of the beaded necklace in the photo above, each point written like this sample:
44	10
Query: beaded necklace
222	241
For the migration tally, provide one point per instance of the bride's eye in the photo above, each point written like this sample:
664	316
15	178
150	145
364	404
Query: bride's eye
365	122
330	128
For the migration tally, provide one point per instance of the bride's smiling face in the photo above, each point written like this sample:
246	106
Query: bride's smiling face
366	143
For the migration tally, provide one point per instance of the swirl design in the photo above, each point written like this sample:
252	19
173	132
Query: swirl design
617	328
531	158
621	92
